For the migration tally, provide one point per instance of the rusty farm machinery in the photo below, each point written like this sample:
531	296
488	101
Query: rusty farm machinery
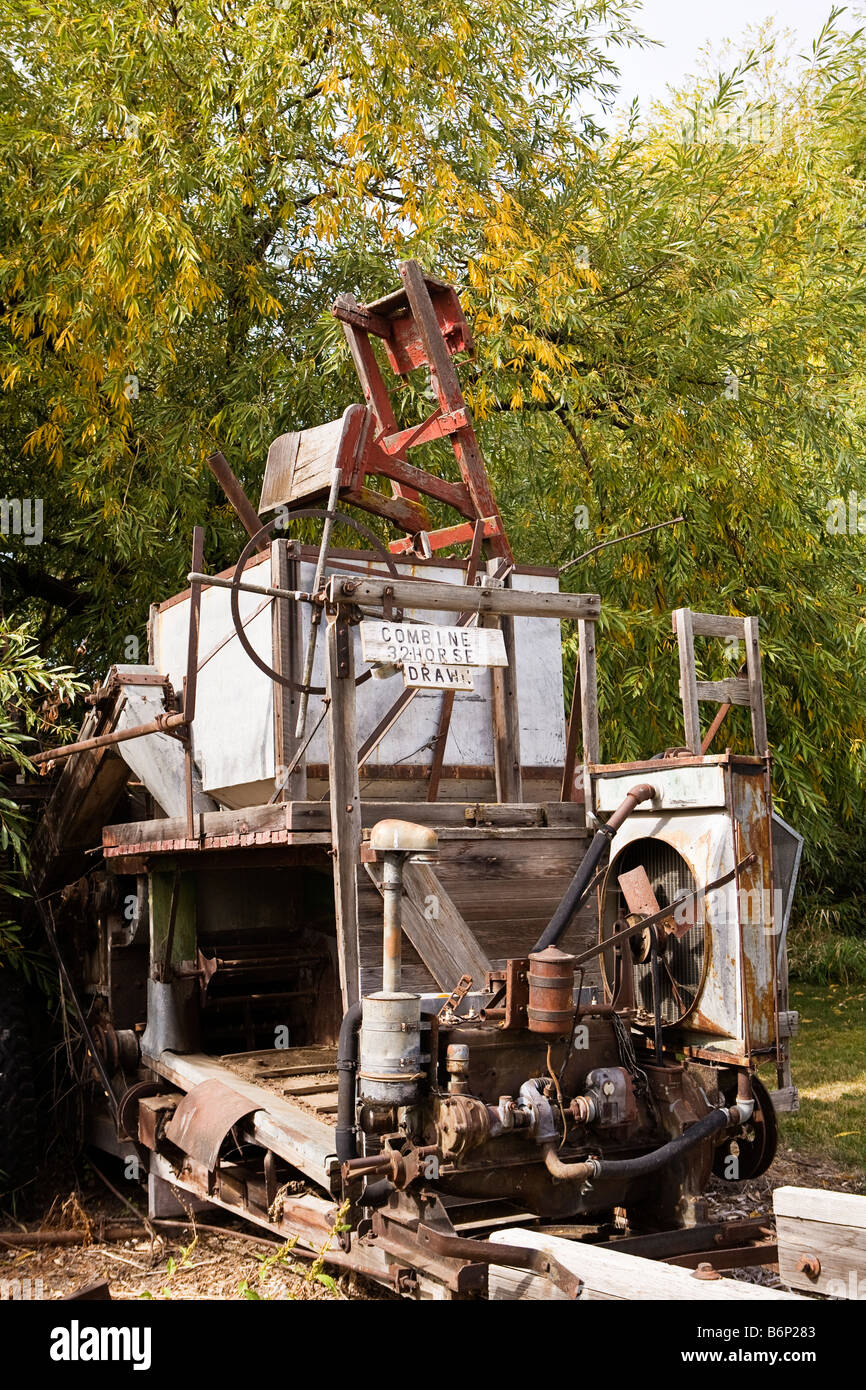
374	933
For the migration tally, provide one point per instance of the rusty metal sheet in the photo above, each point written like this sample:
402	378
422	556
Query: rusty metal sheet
204	1118
638	893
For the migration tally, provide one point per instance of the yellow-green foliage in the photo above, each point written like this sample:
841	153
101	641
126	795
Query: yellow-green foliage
667	321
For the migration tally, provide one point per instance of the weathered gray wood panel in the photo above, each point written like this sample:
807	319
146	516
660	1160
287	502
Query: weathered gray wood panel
506	889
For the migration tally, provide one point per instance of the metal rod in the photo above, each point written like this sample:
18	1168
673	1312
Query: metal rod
663	913
298	595
162	725
618	540
301	751
191	684
316	616
656	967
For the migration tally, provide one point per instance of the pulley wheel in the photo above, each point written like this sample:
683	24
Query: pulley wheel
755	1149
301	514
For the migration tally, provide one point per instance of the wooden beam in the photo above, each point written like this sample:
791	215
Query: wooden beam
400	471
444	378
404	512
732	691
345	802
437	930
716	624
567	791
586	662
609	1273
430	594
440	743
505	712
756	686
683	624
786	1101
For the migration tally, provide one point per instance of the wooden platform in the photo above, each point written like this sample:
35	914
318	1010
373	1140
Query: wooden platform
309	822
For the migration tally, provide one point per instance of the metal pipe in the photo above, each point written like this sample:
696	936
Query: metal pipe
161	725
656	971
392	892
576	892
316	615
217	582
346	1142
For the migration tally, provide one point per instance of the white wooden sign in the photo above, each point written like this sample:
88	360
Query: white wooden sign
432	675
428	644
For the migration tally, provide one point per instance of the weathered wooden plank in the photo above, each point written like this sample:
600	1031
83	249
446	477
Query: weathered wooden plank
588	677
313	815
789	1023
505	890
716	624
733	691
822	1240
786	1101
432	595
756	686
820	1204
613	1274
291	1132
436	928
683	623
345	803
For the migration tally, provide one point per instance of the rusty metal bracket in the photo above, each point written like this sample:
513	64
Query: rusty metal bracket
343	640
515	1256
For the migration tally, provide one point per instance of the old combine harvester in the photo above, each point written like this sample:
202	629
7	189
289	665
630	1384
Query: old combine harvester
582	965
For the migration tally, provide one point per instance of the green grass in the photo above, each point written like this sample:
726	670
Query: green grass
828	1061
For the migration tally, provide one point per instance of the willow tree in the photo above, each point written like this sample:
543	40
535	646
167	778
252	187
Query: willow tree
667	322
187	188
685	335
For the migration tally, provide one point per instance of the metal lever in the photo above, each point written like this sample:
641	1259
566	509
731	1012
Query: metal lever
316	614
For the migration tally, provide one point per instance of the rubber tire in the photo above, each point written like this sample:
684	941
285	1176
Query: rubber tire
19	1129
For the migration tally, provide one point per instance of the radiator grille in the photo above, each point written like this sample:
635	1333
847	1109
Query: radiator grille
683	961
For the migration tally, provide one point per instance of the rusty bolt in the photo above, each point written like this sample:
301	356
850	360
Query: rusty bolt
348	806
705	1271
809	1265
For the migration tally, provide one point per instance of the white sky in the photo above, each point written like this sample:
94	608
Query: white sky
685	26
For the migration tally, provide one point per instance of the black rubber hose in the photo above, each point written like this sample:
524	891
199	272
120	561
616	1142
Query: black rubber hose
347	1066
574	895
651	1162
576	892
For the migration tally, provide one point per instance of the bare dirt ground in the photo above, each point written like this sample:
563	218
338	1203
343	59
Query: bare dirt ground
237	1262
